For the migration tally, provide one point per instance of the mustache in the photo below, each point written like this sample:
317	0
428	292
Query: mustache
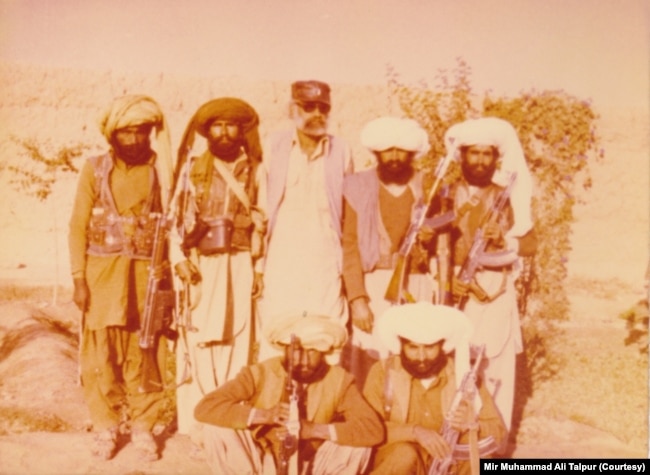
315	122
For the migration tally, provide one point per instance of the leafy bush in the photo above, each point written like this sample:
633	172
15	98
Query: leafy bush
558	134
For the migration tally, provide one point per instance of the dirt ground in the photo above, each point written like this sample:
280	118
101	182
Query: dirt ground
45	422
595	406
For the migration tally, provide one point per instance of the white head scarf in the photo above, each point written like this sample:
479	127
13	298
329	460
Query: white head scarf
425	323
317	332
502	135
384	133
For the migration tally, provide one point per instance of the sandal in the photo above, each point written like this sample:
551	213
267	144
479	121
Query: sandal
145	445
105	444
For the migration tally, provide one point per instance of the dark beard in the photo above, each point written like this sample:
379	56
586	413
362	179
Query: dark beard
424	369
398	173
224	148
318	374
132	155
478	175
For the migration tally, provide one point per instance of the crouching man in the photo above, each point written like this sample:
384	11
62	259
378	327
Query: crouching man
292	412
414	389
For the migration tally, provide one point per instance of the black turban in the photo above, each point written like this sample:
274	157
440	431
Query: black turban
224	108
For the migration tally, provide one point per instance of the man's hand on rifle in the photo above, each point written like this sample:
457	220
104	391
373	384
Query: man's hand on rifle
460	290
81	295
258	285
362	316
426	234
431	441
188	272
493	232
277	415
463	418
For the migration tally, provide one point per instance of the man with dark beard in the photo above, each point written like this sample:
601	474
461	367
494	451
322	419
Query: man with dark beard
119	198
221	223
249	417
379	206
415	387
490	154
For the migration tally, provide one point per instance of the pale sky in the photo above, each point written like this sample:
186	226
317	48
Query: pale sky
594	49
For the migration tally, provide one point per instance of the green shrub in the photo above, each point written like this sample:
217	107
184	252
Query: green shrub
558	134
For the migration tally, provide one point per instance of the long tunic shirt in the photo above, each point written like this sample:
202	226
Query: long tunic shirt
333	400
110	358
303	261
108	276
416	403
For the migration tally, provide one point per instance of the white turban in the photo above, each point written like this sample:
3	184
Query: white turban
132	110
424	323
502	135
385	133
317	332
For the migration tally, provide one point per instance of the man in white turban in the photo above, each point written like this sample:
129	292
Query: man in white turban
490	157
249	416
119	198
415	387
380	205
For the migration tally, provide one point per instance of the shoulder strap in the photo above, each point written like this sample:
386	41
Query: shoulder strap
236	186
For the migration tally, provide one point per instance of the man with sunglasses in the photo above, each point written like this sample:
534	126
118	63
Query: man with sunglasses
305	170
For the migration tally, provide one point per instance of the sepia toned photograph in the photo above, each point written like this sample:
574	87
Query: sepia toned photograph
328	237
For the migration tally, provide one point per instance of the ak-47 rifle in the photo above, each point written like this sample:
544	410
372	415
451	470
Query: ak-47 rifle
477	257
466	392
288	457
395	290
158	307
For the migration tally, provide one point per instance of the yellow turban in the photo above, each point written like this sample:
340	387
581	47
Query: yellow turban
317	332
131	110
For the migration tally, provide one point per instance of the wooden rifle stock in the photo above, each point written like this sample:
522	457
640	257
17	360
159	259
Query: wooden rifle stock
395	292
159	303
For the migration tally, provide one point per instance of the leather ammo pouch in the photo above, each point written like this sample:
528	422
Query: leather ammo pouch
218	238
144	234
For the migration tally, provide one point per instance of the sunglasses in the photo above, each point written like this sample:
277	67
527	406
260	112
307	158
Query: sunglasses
312	106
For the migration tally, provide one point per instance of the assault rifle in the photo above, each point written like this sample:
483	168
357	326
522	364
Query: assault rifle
394	291
288	457
158	308
477	257
466	392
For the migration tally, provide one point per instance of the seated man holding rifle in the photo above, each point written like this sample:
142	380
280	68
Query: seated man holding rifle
437	412
292	412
